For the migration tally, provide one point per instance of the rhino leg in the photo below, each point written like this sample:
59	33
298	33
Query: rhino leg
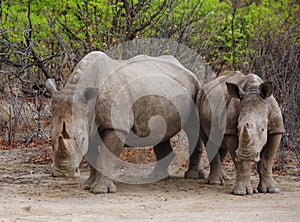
195	139
110	148
195	170
243	184
103	185
164	156
243	169
92	178
266	182
216	174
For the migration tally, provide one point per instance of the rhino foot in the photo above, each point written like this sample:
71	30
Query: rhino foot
213	180
268	187
194	174
242	188
87	187
217	179
88	184
101	189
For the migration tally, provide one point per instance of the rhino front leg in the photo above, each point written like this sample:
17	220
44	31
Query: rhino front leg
243	183
109	150
243	169
266	182
92	178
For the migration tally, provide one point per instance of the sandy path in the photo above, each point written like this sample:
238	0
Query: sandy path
28	193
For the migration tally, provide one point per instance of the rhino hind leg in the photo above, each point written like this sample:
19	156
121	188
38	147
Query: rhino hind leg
216	174
103	185
91	179
194	134
164	156
266	183
110	148
195	170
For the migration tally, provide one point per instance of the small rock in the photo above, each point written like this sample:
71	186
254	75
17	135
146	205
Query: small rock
164	198
27	208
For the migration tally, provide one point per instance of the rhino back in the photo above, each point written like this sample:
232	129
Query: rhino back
150	86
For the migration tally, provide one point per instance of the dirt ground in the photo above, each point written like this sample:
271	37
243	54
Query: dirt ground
29	193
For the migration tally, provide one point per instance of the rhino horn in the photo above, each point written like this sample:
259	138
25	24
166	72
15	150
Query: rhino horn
51	86
63	148
64	132
246	134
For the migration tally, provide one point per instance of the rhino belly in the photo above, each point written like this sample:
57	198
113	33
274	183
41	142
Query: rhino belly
212	114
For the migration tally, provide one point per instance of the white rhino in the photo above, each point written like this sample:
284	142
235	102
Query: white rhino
243	105
144	87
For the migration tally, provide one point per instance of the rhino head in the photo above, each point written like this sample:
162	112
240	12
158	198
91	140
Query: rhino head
68	137
252	120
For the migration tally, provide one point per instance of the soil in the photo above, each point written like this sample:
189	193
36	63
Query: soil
29	193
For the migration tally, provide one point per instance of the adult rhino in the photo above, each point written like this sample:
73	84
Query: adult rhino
144	87
249	122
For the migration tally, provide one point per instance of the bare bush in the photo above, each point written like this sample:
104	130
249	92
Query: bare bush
221	36
23	118
275	57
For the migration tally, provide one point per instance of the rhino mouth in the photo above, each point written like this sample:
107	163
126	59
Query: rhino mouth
66	171
247	156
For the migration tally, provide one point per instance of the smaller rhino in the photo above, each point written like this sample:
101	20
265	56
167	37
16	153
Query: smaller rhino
249	122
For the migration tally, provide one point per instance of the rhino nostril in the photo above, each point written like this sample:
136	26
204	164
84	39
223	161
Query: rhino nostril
53	174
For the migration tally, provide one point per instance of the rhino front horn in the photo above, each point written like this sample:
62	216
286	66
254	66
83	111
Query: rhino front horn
246	134
63	148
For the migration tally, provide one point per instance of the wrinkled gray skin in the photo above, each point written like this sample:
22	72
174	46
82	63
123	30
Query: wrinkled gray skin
253	129
66	151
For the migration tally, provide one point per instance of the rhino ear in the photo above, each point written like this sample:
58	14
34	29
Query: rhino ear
265	90
51	86
235	91
90	93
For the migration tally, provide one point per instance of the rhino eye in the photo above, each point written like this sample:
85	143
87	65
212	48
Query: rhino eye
263	129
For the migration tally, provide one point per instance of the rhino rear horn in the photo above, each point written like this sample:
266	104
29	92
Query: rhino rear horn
235	91
51	86
265	90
